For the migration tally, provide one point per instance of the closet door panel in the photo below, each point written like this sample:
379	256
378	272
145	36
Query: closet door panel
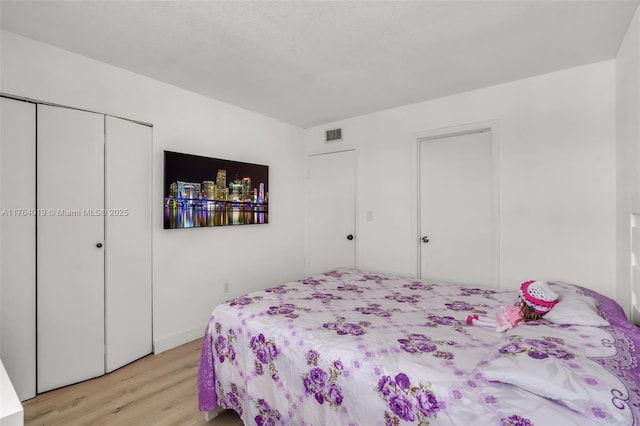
128	299
70	265
18	248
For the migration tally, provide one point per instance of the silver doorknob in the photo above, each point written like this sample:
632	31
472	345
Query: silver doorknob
425	239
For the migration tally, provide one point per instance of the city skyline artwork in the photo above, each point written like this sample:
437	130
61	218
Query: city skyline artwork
204	192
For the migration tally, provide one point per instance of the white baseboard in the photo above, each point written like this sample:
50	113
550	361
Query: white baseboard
165	343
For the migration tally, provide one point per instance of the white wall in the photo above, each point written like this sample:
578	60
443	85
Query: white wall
190	265
557	172
628	153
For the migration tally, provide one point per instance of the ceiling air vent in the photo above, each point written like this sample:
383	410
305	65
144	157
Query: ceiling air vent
333	135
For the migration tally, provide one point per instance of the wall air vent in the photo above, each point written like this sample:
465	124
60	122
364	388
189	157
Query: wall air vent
333	135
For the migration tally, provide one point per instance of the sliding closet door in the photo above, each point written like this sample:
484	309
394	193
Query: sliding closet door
70	256
128	236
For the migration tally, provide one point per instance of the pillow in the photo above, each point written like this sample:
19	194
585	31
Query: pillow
546	366
575	309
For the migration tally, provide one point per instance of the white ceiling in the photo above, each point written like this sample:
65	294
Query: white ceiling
313	62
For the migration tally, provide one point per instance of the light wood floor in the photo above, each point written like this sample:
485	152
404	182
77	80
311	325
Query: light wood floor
155	390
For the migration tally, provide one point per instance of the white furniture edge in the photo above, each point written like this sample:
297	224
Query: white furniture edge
11	411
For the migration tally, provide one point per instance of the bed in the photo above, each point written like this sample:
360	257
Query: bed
354	348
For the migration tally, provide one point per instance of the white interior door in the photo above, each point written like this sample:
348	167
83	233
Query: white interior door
330	211
70	265
18	244
457	209
128	242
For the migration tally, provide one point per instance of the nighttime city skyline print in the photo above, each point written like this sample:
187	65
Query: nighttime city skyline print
202	192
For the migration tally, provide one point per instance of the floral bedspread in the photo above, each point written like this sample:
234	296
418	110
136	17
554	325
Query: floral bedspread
355	348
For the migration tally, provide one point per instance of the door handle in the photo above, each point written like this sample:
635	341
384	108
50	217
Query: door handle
99	245
425	239
349	237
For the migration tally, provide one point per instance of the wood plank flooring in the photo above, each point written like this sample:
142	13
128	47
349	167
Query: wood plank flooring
155	390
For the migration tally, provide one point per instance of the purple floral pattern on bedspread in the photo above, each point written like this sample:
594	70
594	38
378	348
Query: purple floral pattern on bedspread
416	343
229	399
342	327
224	346
355	348
446	321
322	383
536	348
286	309
407	402
404	298
240	301
266	353
376	309
515	420
416	285
267	416
280	289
